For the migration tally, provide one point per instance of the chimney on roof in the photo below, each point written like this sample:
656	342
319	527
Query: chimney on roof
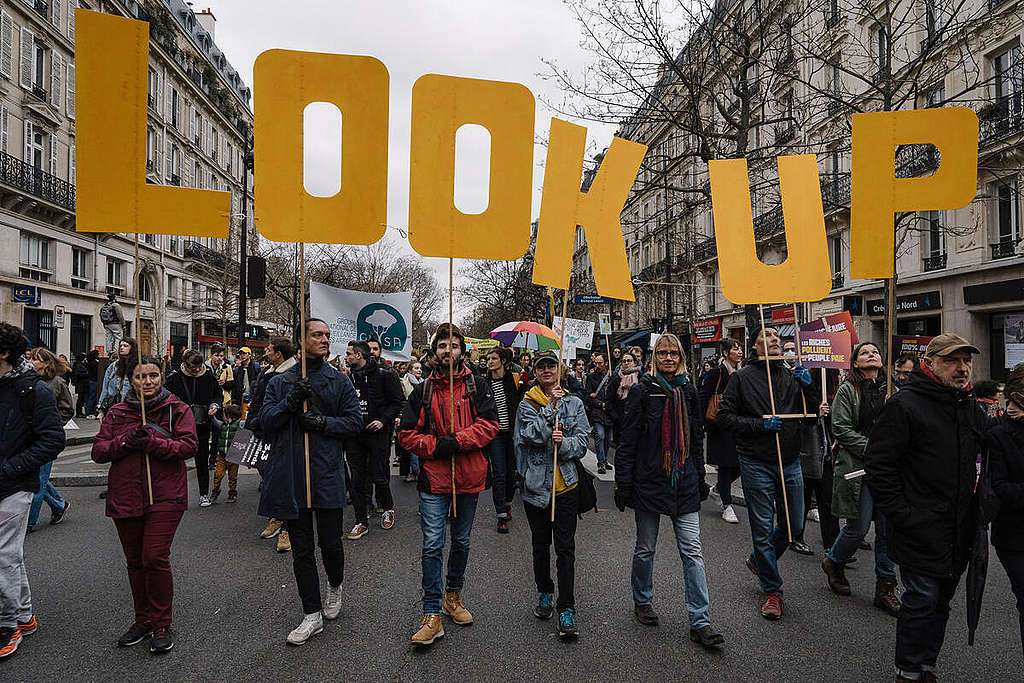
207	21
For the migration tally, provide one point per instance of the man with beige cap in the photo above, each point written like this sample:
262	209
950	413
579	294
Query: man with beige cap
921	464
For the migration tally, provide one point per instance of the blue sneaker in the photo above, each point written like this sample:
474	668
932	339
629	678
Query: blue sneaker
567	623
545	606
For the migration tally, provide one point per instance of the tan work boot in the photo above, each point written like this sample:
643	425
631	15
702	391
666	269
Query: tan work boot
453	607
431	628
284	544
273	528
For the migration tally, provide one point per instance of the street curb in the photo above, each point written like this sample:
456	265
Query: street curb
79	479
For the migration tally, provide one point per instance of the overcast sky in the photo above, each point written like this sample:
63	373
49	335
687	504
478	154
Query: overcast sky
475	38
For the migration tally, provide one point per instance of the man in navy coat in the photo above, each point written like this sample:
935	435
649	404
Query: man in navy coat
324	407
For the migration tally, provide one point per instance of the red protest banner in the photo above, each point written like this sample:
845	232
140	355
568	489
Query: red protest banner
913	345
709	330
826	350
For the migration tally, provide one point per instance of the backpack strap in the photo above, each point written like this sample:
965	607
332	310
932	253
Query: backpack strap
428	392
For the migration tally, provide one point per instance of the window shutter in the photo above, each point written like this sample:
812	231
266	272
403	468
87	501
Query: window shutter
186	171
4	117
53	155
55	16
158	150
71	19
28	40
6	44
56	66
71	162
167	160
69	105
27	158
191	124
167	99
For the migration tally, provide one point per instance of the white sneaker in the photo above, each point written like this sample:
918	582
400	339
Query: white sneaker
729	515
311	625
813	515
204	501
332	608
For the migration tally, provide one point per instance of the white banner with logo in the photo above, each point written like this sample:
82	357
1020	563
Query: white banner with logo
363	316
579	334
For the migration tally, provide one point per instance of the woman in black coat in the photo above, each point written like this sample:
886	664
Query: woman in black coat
1005	443
721	446
196	386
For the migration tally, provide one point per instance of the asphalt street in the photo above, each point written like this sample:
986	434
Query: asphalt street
236	601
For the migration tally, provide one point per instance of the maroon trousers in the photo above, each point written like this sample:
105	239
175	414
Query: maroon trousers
146	541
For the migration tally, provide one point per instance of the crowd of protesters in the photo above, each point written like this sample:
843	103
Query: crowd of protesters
911	461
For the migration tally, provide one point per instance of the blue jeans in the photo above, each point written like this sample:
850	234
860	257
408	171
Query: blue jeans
921	626
855	531
93	397
434	511
687	530
414	464
763	491
48	493
600	445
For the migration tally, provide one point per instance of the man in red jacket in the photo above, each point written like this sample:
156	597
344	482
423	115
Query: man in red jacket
427	430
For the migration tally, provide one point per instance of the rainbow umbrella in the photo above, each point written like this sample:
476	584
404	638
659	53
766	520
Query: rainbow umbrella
526	335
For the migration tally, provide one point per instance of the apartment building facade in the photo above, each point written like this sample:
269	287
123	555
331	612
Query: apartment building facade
54	280
958	270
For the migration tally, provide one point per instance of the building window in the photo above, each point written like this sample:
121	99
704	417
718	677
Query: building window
35	147
934	17
935	237
79	268
175	106
145	289
35	258
154	90
882	52
211	298
1006	219
1006	87
38	66
173	284
835	256
115	275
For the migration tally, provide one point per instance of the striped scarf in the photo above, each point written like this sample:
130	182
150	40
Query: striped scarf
675	427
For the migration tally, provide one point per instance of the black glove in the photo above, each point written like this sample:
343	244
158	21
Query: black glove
138	439
312	421
301	391
447	446
705	490
623	496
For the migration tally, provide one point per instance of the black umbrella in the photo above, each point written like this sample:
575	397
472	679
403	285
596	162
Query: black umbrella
977	567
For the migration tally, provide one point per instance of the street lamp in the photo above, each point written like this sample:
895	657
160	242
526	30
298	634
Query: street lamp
243	274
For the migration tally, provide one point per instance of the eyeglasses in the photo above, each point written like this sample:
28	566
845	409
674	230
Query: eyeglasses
665	353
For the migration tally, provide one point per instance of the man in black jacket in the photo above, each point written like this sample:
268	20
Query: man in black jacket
595	397
33	436
921	464
368	453
746	411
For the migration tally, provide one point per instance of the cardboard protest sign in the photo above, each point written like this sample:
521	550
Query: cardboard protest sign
248	449
914	345
604	321
840	322
822	349
707	331
353	315
579	334
111	72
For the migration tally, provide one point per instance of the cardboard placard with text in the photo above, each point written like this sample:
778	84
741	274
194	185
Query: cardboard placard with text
840	322
823	349
914	345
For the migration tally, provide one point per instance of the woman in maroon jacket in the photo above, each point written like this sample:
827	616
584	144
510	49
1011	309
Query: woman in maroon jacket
147	493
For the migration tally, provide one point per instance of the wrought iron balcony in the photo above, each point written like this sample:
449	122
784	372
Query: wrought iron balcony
16	173
784	134
833	19
1004	248
881	76
768	223
149	166
39	92
837	281
199	252
151	100
835	106
915	160
175	179
836	193
786	59
934	262
41	7
705	250
1002	119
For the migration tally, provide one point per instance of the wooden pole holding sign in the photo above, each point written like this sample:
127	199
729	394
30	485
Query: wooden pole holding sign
778	443
890	315
451	369
138	349
799	355
558	382
302	351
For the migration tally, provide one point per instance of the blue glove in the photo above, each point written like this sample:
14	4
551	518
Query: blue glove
803	375
773	423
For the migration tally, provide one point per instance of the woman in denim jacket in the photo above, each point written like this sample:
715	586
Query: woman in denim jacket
534	439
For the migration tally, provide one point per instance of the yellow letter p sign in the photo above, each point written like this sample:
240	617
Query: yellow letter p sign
111	55
876	193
